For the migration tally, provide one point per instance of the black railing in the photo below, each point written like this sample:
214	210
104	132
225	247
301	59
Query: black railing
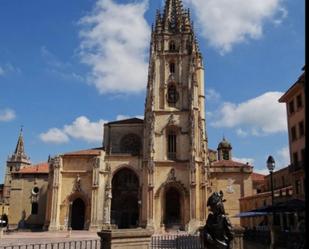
287	240
176	242
80	244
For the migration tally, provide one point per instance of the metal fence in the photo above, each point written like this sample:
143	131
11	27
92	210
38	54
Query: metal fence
81	244
176	242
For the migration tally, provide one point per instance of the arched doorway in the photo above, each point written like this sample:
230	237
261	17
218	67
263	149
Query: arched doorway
78	214
124	209
172	216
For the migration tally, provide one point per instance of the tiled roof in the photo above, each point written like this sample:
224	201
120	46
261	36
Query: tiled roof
229	163
257	177
41	168
300	80
128	121
267	193
89	152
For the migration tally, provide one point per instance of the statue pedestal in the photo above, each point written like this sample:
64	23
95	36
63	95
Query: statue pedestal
126	238
238	237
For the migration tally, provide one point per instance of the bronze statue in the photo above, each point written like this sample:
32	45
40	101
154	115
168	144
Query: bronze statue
218	231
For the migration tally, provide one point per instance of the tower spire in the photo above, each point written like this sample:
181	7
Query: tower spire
19	154
174	17
19	150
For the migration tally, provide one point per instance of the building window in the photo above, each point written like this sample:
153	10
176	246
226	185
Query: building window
303	155
283	181
172	46
293	133
171	145
295	158
291	107
130	144
299	101
301	129
34	208
172	67
172	94
297	187
225	155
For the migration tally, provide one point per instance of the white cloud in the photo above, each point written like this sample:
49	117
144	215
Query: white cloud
7	115
212	95
283	157
225	23
261	171
8	68
81	128
122	117
85	130
114	43
55	136
258	116
240	132
244	160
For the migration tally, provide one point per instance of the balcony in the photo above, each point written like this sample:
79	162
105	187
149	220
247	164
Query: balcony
296	167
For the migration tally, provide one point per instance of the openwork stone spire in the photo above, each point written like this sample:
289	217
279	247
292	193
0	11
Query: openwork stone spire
174	18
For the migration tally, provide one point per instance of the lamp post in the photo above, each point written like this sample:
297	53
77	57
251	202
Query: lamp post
271	166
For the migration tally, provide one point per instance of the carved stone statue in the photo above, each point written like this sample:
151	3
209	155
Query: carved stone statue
218	231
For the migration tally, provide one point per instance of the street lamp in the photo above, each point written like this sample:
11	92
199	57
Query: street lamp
271	166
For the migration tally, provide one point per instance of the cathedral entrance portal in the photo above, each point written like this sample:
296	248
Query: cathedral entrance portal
78	214
172	208
125	210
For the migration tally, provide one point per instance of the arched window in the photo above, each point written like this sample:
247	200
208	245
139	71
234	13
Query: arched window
172	46
172	94
172	67
34	208
130	143
225	155
171	145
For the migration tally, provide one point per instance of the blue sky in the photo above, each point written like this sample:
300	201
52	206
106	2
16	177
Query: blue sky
66	67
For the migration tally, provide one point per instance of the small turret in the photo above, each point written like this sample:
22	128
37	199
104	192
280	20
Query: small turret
224	150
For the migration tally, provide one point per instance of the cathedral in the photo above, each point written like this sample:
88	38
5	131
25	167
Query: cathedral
155	172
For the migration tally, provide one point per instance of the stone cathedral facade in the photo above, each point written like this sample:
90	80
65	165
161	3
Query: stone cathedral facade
151	172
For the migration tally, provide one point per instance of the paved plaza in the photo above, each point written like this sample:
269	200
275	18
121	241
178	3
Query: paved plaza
26	238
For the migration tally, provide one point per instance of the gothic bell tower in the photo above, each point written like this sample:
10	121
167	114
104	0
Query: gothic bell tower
175	140
17	160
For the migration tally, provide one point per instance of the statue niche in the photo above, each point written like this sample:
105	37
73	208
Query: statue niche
131	144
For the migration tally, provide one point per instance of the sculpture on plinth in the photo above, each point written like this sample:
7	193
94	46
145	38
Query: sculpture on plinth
218	231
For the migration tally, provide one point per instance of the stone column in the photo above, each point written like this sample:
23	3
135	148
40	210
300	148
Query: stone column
107	198
150	203
192	189
94	197
56	191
